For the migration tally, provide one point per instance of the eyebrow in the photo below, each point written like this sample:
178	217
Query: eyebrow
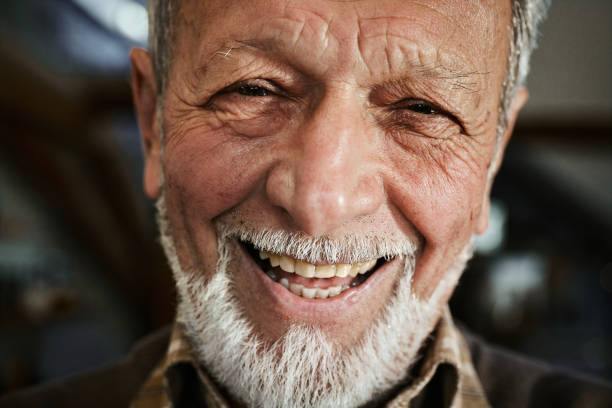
229	47
459	79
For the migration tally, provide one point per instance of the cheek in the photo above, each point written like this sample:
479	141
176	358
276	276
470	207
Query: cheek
210	175
206	174
440	191
441	195
214	160
255	120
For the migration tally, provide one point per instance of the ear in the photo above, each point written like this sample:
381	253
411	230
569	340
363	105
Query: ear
144	92
517	104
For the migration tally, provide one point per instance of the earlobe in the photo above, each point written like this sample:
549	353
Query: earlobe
483	219
144	92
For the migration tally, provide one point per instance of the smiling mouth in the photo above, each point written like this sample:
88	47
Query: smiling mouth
311	281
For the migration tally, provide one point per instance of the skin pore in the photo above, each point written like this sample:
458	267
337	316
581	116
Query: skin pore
329	120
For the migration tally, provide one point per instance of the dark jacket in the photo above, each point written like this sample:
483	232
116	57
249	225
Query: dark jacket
509	380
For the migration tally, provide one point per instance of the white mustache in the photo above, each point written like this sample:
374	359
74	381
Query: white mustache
351	249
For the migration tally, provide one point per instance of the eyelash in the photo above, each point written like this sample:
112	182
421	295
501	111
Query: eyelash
401	108
253	90
243	89
419	107
426	109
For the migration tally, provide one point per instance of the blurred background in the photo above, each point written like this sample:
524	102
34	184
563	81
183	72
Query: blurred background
82	276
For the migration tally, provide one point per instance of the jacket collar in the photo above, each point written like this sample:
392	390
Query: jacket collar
444	377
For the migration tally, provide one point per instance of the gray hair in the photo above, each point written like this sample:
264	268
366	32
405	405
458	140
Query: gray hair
526	16
162	15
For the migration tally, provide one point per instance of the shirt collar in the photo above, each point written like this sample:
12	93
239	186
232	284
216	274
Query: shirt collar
447	356
178	380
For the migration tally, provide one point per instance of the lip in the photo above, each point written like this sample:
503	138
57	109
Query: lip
318	311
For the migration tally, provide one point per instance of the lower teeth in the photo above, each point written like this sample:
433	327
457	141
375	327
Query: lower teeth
312	293
319	293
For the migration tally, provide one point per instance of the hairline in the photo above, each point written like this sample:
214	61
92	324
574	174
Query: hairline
522	36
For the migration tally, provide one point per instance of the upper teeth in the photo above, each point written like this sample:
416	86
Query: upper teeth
308	270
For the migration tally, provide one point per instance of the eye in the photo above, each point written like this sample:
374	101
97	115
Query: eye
253	90
417	115
412	106
422	108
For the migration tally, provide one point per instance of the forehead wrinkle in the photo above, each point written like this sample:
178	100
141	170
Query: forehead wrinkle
460	80
313	20
420	63
408	50
298	38
404	55
274	48
238	58
270	46
227	51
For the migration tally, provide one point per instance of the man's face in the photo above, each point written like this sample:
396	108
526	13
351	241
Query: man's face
361	121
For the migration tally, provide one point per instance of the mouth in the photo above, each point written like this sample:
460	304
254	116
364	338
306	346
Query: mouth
310	281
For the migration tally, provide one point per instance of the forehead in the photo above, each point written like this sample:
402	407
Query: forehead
361	39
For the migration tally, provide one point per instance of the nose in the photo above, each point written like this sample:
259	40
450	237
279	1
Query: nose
330	177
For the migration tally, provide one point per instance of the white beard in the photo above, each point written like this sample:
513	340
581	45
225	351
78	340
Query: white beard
303	368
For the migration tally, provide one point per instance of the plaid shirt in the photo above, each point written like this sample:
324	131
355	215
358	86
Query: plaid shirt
445	377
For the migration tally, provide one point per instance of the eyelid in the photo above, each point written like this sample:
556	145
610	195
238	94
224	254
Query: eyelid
404	103
267	84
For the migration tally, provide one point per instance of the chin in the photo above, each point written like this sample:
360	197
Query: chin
303	364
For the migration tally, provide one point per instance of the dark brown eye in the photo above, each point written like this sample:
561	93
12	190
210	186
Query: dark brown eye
253	90
422	108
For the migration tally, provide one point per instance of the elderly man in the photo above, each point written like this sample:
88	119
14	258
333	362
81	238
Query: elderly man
320	169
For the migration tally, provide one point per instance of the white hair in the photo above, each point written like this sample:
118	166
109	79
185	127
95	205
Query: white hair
526	17
305	367
349	250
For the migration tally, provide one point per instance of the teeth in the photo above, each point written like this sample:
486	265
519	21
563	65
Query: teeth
313	293
308	270
367	266
287	264
296	289
322	293
325	271
334	291
304	269
342	270
274	260
309	293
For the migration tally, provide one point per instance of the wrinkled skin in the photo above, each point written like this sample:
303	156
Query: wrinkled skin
328	118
